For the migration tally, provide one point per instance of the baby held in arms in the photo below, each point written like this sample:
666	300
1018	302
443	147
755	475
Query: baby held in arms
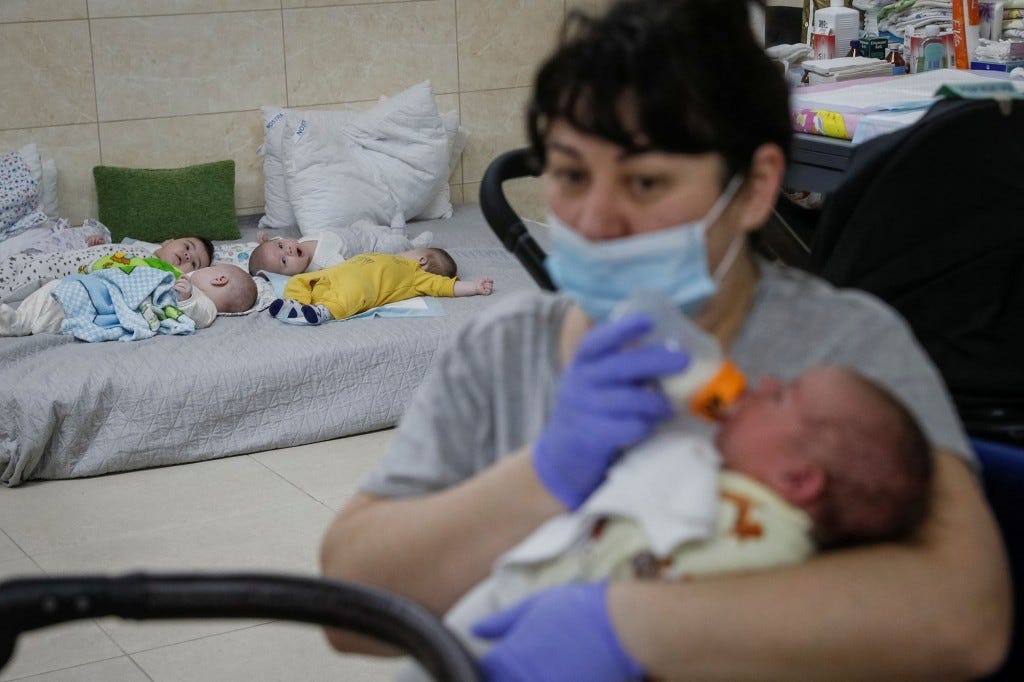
827	460
370	280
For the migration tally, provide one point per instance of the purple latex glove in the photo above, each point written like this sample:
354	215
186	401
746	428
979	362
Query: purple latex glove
605	403
562	633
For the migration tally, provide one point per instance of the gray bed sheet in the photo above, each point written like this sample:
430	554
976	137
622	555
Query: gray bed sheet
70	409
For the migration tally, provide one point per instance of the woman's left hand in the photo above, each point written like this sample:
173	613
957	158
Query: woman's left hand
562	633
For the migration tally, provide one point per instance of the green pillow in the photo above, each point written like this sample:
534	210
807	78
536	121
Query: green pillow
154	204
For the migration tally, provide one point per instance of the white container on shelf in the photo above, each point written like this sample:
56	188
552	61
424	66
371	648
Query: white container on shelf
844	22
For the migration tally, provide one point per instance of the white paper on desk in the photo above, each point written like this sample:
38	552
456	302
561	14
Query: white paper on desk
905	92
882	122
843	65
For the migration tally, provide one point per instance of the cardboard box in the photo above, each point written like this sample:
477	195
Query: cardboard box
977	65
874	47
913	51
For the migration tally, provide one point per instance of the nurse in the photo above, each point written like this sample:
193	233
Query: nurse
663	129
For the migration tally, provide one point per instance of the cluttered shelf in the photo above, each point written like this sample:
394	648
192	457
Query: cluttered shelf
832	119
847	73
843	98
862	44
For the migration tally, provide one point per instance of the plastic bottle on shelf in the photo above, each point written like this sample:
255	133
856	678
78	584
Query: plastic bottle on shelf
855	50
844	22
895	57
711	381
871	21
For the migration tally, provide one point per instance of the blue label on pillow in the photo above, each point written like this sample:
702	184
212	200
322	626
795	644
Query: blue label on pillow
272	122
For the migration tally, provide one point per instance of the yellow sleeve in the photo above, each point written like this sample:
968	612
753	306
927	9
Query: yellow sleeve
429	284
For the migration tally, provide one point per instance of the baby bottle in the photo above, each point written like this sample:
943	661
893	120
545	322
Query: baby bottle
711	381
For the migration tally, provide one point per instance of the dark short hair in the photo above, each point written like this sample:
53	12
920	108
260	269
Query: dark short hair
879	476
440	262
692	69
208	245
256	259
250	293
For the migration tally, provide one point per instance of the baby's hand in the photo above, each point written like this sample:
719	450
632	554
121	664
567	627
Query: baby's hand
95	240
485	286
184	288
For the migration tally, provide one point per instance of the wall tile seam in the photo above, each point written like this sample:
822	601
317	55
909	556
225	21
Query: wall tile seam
360	4
47	127
17	22
183	14
90	17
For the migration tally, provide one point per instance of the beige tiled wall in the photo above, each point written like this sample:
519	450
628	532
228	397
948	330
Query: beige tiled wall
166	83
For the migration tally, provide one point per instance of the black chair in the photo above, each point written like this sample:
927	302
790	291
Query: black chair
32	603
927	220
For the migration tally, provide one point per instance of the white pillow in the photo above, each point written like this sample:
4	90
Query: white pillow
278	211
441	205
45	174
20	175
378	165
48	197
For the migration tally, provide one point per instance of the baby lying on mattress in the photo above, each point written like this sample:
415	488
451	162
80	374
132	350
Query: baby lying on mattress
370	280
131	298
288	256
23	273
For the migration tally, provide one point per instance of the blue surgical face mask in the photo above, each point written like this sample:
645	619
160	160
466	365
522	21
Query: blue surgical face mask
673	261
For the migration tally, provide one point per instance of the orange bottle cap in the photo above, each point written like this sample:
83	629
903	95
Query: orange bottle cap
721	391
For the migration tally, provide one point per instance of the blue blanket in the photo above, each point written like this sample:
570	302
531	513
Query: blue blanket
112	304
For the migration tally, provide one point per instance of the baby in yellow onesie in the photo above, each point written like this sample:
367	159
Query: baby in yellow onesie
370	280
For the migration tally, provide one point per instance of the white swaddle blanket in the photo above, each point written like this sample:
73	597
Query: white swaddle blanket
668	484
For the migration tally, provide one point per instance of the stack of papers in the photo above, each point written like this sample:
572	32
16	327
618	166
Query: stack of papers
899	93
845	68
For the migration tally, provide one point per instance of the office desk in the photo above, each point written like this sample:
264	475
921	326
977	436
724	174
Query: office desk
817	163
889	103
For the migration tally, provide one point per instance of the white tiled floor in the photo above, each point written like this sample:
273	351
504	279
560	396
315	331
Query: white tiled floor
261	512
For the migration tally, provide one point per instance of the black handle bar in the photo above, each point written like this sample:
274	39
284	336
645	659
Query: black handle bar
504	221
31	603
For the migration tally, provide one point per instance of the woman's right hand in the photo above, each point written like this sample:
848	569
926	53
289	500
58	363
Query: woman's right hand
606	401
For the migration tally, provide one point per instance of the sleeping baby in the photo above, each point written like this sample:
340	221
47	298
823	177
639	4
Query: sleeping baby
288	256
370	280
199	295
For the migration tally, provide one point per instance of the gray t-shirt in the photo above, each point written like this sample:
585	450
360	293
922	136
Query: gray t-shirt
490	391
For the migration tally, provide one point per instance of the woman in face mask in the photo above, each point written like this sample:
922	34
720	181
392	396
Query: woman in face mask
663	129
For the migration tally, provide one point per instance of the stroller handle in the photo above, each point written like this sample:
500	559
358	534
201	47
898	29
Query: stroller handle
506	224
31	603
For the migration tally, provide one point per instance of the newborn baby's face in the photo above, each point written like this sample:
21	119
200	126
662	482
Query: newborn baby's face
285	256
227	287
764	425
187	254
772	421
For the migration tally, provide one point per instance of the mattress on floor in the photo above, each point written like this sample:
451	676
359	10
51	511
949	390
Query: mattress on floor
70	409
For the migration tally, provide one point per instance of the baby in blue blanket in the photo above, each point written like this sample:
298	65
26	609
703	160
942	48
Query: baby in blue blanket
161	299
